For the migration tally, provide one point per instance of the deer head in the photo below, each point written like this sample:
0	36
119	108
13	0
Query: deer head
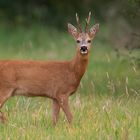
83	38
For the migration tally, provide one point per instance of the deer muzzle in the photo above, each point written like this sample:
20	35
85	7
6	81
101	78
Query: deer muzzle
84	50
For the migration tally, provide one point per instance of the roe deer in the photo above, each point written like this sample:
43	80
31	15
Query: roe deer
52	79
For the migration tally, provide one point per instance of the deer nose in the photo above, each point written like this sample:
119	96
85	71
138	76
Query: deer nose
83	48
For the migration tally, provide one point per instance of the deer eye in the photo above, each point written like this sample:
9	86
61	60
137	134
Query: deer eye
78	41
89	41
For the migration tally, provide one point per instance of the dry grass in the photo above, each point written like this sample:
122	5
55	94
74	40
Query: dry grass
106	106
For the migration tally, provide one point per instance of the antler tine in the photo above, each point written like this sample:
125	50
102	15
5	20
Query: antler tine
79	25
87	22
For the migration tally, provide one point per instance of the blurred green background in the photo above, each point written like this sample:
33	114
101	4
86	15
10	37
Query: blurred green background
106	105
120	18
53	12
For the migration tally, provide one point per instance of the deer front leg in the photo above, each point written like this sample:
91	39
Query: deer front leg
63	101
2	117
4	95
55	111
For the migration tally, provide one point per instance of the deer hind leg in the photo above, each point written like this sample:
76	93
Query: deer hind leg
63	101
56	110
4	95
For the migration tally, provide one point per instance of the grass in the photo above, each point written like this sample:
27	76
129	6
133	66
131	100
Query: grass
105	107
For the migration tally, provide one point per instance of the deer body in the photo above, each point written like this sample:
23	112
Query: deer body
37	78
56	80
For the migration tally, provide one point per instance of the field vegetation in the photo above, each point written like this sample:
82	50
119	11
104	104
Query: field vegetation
106	105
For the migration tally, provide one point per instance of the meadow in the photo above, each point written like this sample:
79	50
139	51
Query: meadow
105	107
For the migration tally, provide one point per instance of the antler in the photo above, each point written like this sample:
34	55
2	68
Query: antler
79	25
87	22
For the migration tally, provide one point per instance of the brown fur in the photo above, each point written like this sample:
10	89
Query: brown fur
56	80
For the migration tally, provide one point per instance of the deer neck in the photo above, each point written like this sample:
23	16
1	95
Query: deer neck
79	64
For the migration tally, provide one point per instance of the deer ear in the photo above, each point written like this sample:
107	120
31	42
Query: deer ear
72	30
93	30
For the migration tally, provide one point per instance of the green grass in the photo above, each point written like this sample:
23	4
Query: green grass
105	107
